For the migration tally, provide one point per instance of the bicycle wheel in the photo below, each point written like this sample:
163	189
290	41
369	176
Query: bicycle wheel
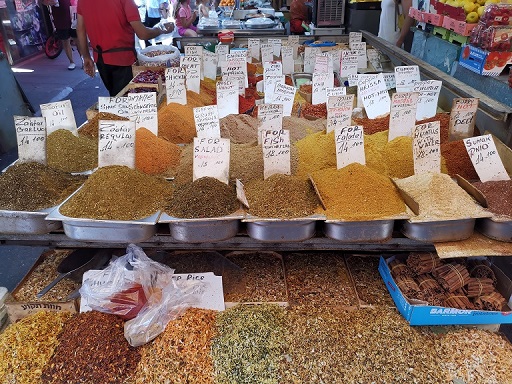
53	47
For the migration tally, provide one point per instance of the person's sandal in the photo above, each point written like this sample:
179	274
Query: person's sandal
71	66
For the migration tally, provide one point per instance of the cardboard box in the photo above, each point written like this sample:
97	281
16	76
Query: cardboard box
483	62
433	18
416	14
458	26
456	13
418	312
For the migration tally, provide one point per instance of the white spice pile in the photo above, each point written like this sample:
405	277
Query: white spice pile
440	198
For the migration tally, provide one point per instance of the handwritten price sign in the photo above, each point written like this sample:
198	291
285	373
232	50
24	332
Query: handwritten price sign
485	158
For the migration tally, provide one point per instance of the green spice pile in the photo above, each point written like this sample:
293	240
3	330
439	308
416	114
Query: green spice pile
118	193
281	196
27	345
182	353
357	193
33	187
71	153
203	198
91	128
92	350
439	198
249	345
498	195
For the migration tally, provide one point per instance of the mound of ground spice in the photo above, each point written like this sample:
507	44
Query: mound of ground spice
34	186
203	198
70	153
444	120
309	110
92	349
154	155
118	193
357	193
316	151
498	195
176	123
239	128
91	128
300	128
371	126
457	160
281	196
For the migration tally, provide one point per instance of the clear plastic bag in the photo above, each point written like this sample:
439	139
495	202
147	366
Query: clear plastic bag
159	56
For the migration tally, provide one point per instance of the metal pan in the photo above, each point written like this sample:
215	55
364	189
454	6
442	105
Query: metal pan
497	230
439	231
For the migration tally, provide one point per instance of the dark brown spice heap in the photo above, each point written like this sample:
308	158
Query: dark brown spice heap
92	349
457	160
91	128
281	196
118	193
33	186
203	198
70	153
371	126
498	195
444	121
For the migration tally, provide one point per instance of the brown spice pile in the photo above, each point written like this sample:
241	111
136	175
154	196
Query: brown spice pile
182	353
118	193
33	187
300	128
26	346
176	123
203	198
444	120
357	193
319	280
70	153
316	152
91	128
92	349
154	155
314	111
498	195
457	160
371	126
239	128
281	196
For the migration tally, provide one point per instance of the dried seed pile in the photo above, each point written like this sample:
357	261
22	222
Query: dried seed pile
457	160
27	345
319	280
42	275
439	198
70	153
281	196
92	349
33	186
249	345
203	198
498	195
357	193
316	152
154	155
300	128
182	353
259	277
118	193
91	128
239	128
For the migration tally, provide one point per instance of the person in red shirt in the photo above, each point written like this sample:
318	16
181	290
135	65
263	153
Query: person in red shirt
111	27
299	16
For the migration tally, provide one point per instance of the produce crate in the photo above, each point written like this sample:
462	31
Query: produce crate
456	38
457	26
441	32
432	18
483	62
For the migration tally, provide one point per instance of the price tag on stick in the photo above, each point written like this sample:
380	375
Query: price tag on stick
227	98
349	145
485	158
284	94
118	105
196	50
427	101
270	117
175	88
143	111
462	118
287	59
406	76
192	65
321	81
207	121
374	95
59	115
211	158
349	60
426	148
267	53
31	138
254	46
339	111
116	143
210	63
221	51
276	152
403	114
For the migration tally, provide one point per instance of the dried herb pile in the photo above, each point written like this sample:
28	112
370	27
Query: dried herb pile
33	187
203	198
154	155
281	196
118	193
498	195
92	349
70	153
27	345
91	128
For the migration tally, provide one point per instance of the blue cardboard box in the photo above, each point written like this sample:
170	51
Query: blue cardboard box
417	312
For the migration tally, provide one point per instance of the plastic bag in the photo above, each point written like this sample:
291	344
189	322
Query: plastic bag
159	56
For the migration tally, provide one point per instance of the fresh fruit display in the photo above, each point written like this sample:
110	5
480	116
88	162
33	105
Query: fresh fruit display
496	39
497	14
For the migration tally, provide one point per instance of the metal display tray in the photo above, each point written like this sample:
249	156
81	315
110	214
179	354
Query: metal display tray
282	230
439	231
359	231
25	222
202	230
497	230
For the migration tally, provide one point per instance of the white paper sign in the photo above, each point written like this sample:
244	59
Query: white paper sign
221	51
354	37
211	158
276	152
118	105
321	81
210	64
143	110
402	119
339	111
192	66
209	295
241	55
426	148
267	52
374	59
405	77
196	50
238	80
485	158
349	62
270	117
284	94
31	138
323	63
360	48
240	193
227	98
270	84
287	60
335	91
59	115
349	145
236	68
462	118
353	80
254	48
374	95
206	120
309	58
116	143
335	56
429	94
294	42
389	78
175	88
271	68
276	45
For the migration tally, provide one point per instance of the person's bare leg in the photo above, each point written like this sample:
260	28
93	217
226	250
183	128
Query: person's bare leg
69	53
